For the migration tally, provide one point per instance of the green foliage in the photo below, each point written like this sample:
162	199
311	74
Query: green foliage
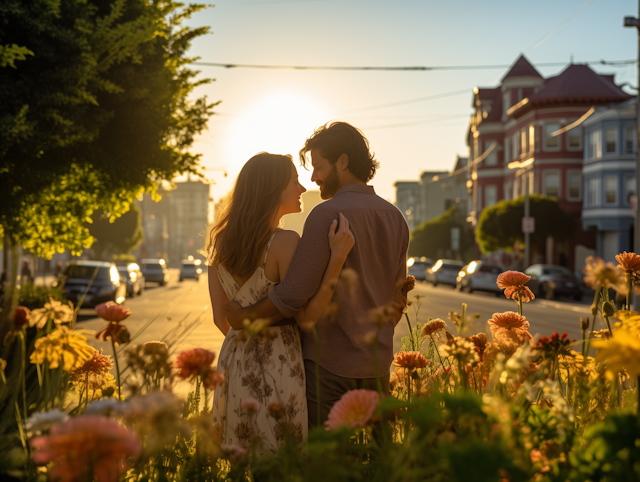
103	109
34	297
121	235
500	225
433	238
10	53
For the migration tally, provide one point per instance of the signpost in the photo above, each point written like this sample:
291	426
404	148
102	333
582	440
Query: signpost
528	225
455	239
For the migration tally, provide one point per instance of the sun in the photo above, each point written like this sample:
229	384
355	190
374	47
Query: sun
280	125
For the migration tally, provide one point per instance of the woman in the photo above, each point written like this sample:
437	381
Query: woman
263	396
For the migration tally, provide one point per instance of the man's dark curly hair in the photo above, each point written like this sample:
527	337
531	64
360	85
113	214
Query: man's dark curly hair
339	138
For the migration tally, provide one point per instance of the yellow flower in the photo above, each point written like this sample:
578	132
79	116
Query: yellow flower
98	382
54	310
574	364
621	352
62	346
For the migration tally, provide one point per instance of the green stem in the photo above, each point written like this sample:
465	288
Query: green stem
24	374
520	304
413	344
638	388
317	346
584	343
463	375
629	288
435	347
206	396
115	357
463	320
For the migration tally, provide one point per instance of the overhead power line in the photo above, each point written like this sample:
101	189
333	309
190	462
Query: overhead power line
396	69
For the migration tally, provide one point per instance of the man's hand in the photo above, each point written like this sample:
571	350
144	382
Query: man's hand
235	315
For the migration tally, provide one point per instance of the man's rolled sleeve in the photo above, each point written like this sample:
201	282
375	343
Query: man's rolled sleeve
307	267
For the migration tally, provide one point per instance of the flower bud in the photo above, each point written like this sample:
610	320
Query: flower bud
20	316
584	323
594	309
608	309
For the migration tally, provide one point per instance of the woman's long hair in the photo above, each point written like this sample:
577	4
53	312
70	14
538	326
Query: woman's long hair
246	220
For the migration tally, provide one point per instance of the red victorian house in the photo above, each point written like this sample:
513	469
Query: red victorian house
510	138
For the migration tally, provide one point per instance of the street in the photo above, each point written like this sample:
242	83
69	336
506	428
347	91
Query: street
180	314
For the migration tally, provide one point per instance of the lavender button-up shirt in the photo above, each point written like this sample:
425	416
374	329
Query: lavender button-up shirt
379	260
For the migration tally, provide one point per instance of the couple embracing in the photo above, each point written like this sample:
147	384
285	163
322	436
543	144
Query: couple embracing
258	271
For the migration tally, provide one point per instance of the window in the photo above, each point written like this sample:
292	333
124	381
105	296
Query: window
506	101
491	159
574	138
630	188
610	136
490	195
514	146
551	142
629	139
532	137
479	208
507	151
610	185
574	182
523	141
552	184
508	190
594	144
593	192
519	95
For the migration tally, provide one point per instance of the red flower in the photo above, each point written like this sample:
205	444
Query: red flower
212	378
119	333
113	312
20	316
194	362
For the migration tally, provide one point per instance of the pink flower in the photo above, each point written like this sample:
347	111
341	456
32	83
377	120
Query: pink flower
20	316
510	321
113	312
212	378
410	360
232	452
85	447
354	409
251	405
513	284
194	362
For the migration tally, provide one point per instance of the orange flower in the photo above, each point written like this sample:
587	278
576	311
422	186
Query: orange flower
513	284
410	360
85	447
480	343
433	326
119	333
628	261
408	285
354	409
194	362
98	363
510	321
597	274
20	316
113	312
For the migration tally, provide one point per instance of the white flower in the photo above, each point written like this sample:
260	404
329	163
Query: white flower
106	406
43	421
53	309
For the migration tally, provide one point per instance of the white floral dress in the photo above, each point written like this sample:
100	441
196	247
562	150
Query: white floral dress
267	367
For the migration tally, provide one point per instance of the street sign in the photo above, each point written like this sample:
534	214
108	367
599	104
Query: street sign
455	239
528	225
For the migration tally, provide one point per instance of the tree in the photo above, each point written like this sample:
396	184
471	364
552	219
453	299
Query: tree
122	235
433	238
500	225
99	114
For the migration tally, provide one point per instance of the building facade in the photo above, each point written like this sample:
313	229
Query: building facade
521	135
609	173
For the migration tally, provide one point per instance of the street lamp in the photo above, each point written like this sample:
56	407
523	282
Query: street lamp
635	22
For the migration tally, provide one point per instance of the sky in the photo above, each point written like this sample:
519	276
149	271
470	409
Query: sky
276	110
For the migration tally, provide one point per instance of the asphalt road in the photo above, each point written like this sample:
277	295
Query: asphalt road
180	314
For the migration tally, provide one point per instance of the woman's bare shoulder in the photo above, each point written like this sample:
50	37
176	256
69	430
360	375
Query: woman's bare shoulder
285	239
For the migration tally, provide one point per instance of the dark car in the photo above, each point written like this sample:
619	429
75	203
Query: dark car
445	272
549	281
155	271
106	285
418	267
479	276
190	268
133	277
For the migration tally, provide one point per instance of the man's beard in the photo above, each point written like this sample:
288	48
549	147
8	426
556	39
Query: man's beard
330	185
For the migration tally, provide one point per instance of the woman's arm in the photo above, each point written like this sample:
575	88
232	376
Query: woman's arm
340	243
218	299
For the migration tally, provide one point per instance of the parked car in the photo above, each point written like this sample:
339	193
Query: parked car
133	277
190	268
155	271
418	267
106	285
444	271
549	281
479	276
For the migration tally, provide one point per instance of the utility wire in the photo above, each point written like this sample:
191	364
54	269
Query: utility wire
396	69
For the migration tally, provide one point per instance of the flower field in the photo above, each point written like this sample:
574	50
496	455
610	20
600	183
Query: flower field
495	406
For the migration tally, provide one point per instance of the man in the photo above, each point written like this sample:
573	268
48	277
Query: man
342	166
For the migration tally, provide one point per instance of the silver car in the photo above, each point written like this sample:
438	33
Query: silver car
444	271
155	271
479	276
